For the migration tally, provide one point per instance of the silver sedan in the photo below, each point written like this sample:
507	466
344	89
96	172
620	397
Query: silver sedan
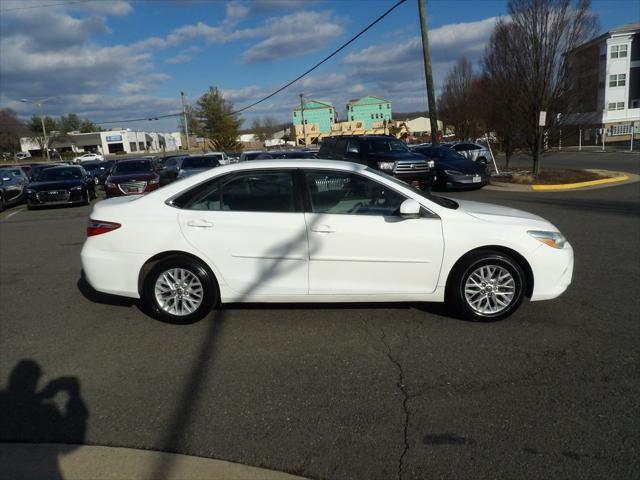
473	151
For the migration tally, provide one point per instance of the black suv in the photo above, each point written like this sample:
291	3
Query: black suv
381	152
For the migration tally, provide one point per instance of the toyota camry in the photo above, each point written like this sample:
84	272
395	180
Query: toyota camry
318	231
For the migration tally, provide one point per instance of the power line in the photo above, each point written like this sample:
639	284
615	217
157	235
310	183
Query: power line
151	118
42	5
342	47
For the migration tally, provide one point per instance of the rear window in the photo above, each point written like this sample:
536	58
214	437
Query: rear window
383	145
133	166
200	162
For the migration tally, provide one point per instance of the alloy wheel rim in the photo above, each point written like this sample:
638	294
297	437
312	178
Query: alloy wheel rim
490	289
178	291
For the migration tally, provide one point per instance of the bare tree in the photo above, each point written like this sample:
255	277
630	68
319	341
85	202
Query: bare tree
456	104
526	58
11	129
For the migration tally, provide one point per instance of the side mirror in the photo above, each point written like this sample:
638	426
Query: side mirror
410	209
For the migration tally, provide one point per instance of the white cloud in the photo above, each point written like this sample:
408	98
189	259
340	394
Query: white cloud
148	83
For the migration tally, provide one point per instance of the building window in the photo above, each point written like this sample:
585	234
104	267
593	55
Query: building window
305	121
635	103
388	106
380	107
132	146
141	145
352	118
616	106
372	116
624	129
294	114
618	80
619	51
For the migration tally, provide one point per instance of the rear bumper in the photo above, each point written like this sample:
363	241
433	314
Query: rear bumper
552	271
112	272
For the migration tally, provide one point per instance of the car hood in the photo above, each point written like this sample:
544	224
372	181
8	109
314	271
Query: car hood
462	166
187	172
500	214
132	177
55	185
395	156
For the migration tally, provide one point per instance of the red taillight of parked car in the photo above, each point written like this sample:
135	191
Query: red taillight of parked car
98	227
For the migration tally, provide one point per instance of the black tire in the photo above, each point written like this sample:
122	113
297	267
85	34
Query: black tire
457	299
210	295
87	197
1	203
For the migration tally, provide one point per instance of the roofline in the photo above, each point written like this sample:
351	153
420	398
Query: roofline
384	100
632	29
330	105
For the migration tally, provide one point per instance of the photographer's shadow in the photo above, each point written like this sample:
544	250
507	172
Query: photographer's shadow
31	416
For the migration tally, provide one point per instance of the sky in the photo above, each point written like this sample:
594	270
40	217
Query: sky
115	60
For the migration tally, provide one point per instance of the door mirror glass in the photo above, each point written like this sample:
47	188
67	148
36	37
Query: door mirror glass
410	209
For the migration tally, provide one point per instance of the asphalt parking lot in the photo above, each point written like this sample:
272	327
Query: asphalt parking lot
346	392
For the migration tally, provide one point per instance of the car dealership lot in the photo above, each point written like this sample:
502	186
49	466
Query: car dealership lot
350	391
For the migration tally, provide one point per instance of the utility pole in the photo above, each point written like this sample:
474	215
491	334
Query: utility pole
304	128
39	103
427	73
184	116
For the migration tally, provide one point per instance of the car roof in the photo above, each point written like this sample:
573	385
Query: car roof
135	160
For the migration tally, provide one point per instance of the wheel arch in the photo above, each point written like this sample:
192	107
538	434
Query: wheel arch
524	264
149	264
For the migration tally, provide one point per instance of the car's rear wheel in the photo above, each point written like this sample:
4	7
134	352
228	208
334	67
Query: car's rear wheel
487	286
180	290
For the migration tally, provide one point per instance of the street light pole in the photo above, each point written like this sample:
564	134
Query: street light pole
304	128
186	125
427	73
45	142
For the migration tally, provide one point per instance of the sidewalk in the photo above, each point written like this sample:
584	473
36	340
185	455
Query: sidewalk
24	461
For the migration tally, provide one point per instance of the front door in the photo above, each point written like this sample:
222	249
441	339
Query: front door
358	243
251	227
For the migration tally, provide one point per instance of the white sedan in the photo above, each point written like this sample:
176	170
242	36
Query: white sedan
87	157
318	231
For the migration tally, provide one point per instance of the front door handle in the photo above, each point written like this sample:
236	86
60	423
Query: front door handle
200	223
323	229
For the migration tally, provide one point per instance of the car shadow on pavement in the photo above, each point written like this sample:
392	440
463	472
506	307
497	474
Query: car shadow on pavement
95	296
31	416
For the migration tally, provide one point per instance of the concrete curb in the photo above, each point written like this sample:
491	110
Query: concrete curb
22	461
615	179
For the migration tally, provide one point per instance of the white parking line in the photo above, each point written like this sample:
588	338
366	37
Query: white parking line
13	213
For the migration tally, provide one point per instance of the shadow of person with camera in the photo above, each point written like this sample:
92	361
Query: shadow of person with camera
31	416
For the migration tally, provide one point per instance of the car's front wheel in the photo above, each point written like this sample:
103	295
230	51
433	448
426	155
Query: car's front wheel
180	290
487	286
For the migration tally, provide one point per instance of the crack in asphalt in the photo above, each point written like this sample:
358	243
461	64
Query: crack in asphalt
401	386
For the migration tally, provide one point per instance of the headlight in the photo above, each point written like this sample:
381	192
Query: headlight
385	165
30	192
431	163
453	172
553	239
153	181
75	189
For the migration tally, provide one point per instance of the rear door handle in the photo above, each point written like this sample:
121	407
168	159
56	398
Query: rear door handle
322	229
200	223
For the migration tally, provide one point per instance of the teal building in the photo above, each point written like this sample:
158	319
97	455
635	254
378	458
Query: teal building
321	113
369	110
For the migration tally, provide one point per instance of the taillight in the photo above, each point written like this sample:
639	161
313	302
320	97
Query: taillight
98	227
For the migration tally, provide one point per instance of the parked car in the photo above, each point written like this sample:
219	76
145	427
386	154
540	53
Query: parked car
65	184
222	157
250	155
98	170
234	157
22	155
318	231
475	152
185	166
131	177
280	154
380	152
13	187
87	157
453	171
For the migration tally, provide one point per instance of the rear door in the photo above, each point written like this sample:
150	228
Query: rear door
251	226
358	243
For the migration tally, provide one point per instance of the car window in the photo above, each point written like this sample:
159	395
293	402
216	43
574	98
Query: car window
133	166
247	192
71	173
350	194
209	161
341	145
383	145
352	146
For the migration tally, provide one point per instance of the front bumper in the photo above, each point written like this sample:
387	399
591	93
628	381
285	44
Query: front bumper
41	199
552	271
424	179
464	181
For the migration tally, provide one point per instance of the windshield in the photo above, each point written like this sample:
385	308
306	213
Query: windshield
442	201
5	174
209	161
252	155
91	167
440	153
133	166
70	173
383	145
